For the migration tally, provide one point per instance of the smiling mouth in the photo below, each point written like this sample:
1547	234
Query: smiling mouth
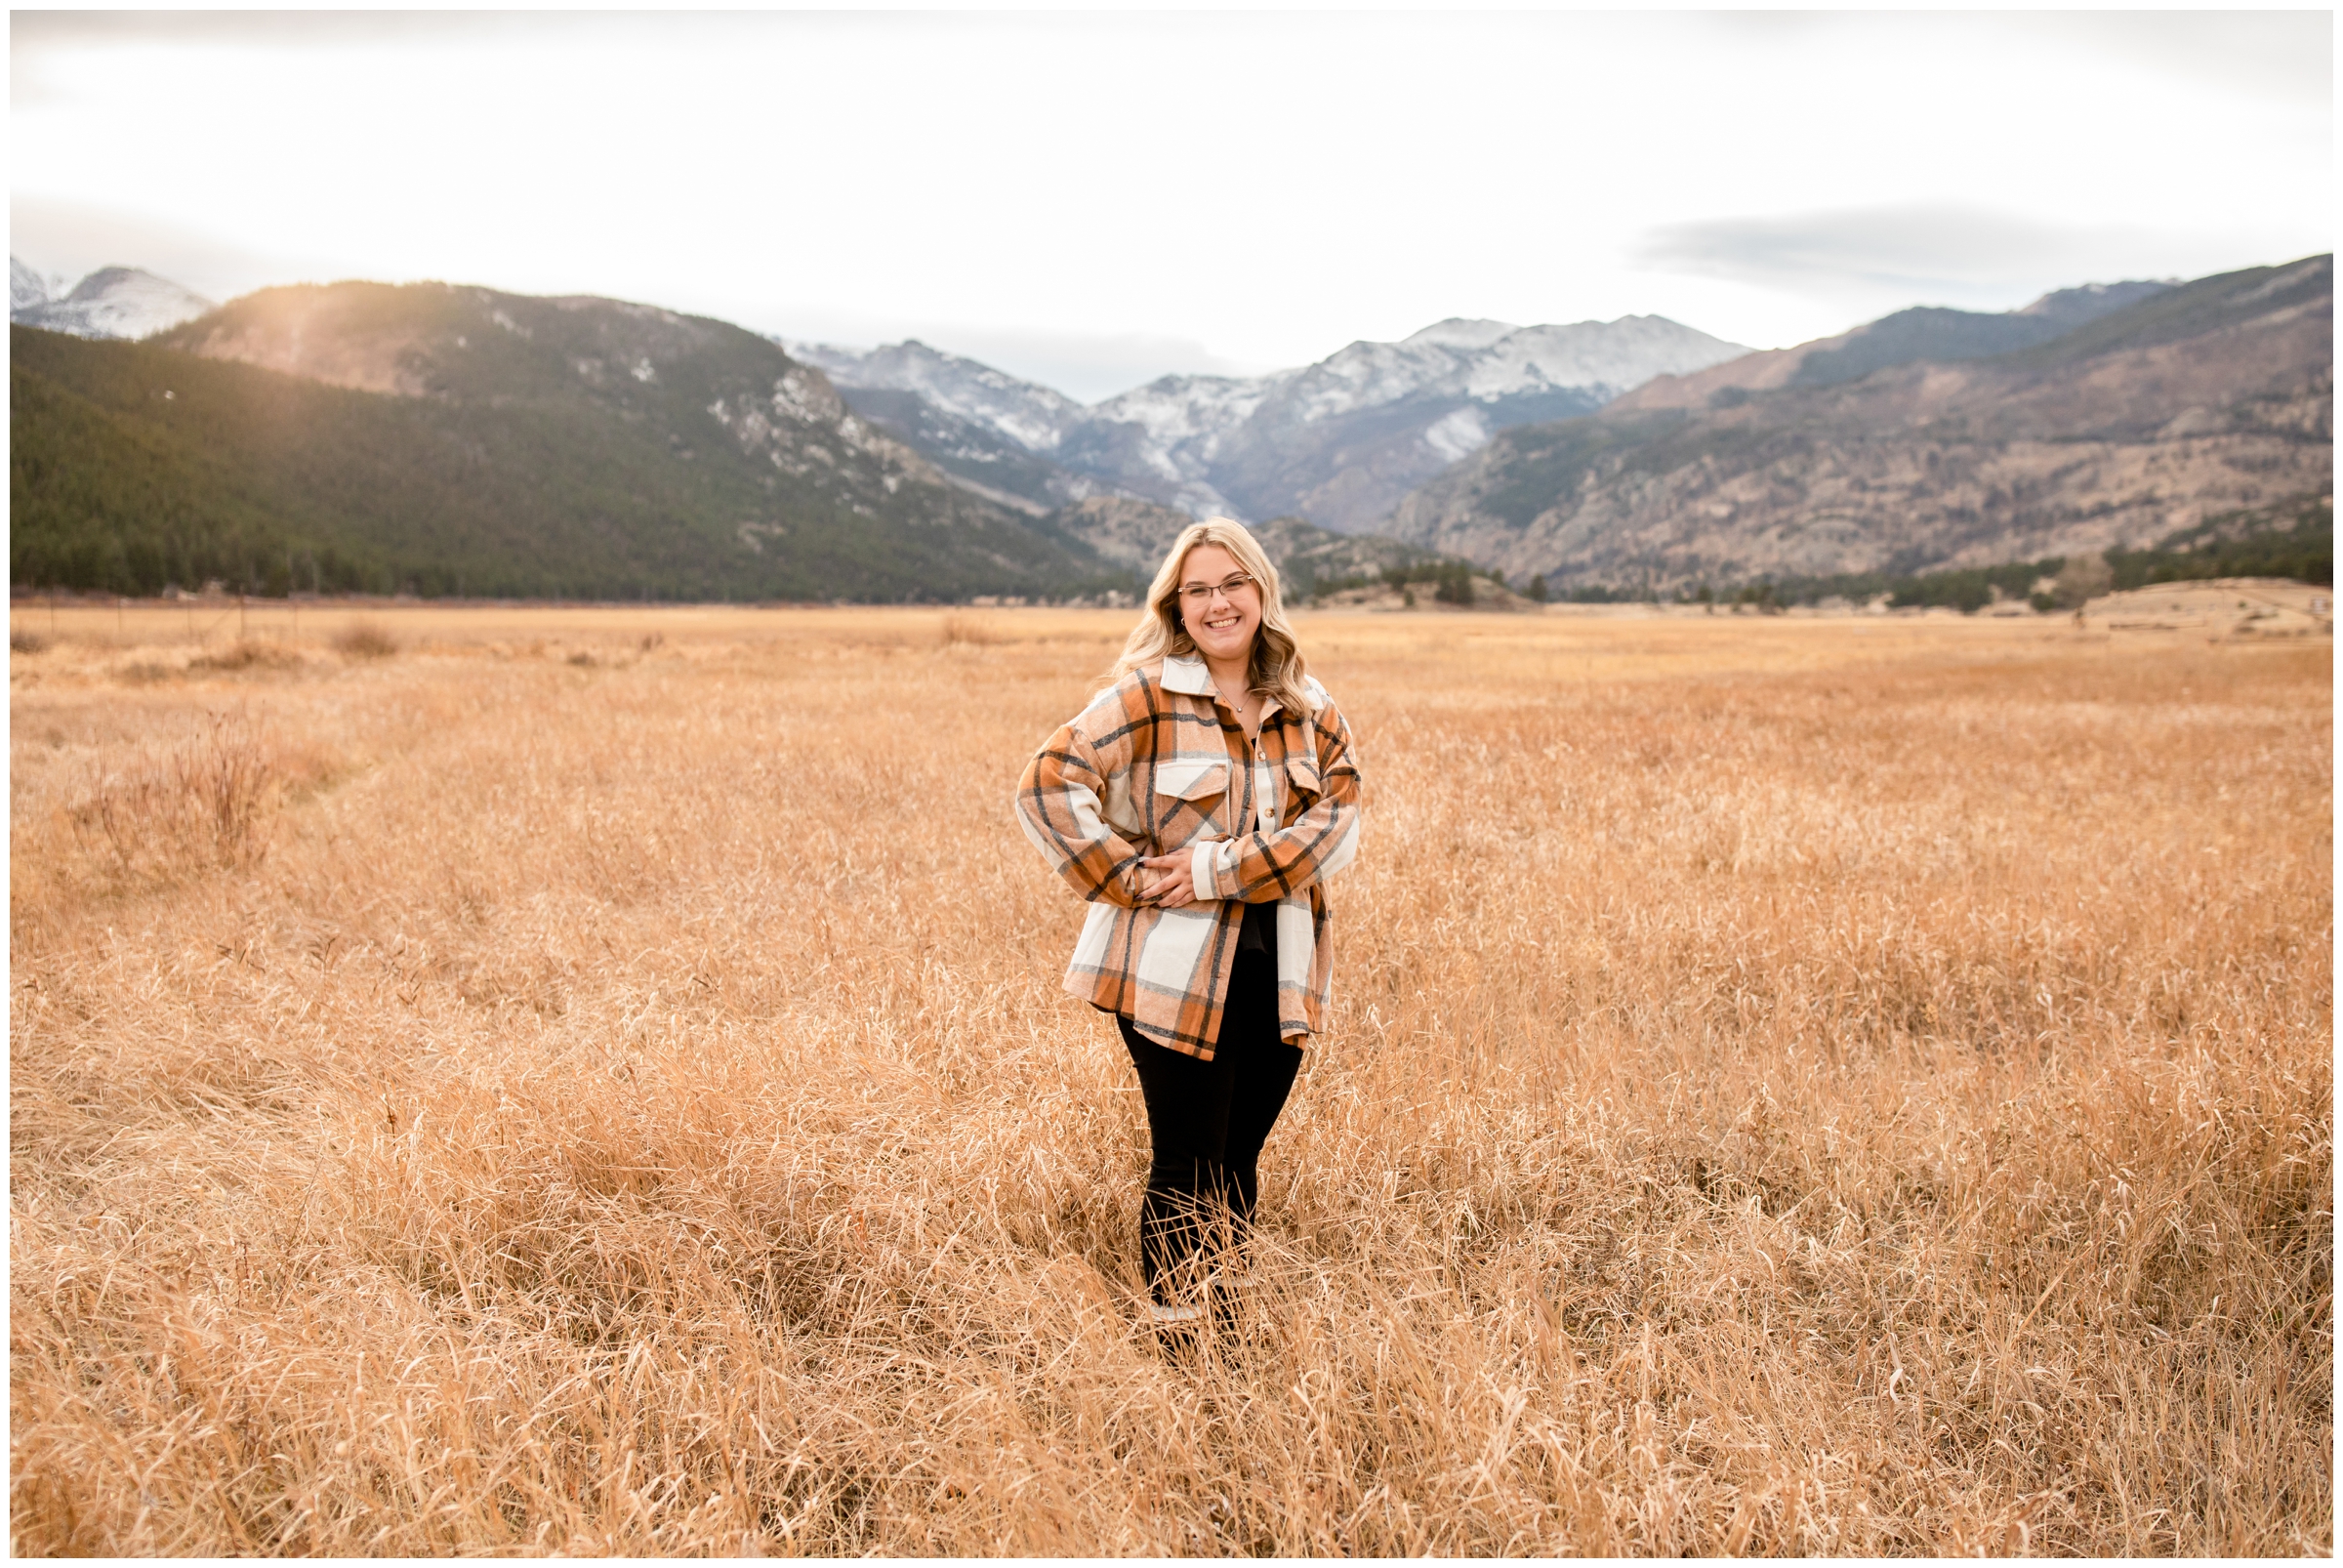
1222	623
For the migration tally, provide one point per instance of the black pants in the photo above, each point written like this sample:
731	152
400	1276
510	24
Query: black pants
1207	1122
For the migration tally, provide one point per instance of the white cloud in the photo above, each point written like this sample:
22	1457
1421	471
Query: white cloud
1943	255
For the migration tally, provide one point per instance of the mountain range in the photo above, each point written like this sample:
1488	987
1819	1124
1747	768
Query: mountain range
1929	438
1338	442
452	438
446	439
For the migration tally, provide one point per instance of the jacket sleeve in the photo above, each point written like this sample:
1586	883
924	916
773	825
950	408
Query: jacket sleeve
1059	806
1258	867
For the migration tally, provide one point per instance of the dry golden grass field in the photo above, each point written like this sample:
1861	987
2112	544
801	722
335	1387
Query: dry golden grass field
592	1081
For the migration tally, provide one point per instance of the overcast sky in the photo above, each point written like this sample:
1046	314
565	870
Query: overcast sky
1092	199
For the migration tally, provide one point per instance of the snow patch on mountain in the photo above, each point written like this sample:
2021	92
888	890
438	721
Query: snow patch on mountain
1178	408
1456	435
1613	355
1167	440
1033	416
113	302
2088	301
28	288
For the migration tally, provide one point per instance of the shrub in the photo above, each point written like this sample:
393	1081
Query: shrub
366	639
2083	579
970	629
247	653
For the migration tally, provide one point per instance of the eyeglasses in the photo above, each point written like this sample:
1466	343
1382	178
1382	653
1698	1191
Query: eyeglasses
1199	595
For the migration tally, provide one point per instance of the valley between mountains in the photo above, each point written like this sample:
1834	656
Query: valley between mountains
459	441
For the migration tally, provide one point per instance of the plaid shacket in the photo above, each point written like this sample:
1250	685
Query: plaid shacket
1157	764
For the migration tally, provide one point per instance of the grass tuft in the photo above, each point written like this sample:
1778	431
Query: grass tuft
157	818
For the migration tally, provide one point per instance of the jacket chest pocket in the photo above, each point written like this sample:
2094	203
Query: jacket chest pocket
1188	791
1302	780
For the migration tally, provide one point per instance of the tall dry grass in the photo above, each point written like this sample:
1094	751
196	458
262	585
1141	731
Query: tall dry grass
1794	1088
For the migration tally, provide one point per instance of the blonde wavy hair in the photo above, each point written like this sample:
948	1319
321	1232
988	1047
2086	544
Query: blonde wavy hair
1278	668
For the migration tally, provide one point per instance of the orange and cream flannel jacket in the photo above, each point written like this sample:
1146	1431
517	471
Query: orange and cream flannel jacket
1158	764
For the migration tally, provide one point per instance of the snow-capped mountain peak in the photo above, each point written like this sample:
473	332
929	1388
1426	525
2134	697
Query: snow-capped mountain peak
1487	361
1034	416
1461	332
113	302
1615	354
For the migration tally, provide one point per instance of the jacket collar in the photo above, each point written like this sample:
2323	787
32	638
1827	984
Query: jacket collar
1187	677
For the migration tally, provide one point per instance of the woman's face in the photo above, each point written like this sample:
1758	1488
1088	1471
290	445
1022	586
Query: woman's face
1221	623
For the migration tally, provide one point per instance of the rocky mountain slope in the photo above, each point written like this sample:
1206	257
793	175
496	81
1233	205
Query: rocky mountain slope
969	454
113	302
461	439
1923	332
2178	403
1337	442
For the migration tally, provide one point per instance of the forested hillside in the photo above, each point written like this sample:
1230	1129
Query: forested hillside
442	440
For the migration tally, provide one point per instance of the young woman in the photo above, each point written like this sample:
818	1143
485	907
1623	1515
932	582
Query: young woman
1200	803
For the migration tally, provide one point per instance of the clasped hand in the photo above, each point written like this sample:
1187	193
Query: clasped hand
1173	884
